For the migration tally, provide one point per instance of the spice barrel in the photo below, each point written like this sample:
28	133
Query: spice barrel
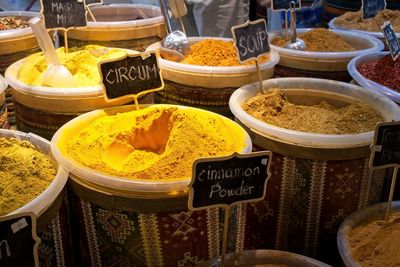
131	26
42	110
207	87
317	180
136	221
328	65
50	207
14	45
359	219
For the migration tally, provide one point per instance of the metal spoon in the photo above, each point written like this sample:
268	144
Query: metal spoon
295	43
175	40
56	75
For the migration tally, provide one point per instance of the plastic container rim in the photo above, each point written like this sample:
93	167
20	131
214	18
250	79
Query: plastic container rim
274	59
377	46
305	138
47	197
3	84
128	23
115	182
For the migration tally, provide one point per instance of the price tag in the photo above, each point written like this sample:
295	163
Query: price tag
18	240
251	40
93	2
385	151
63	14
221	182
283	5
131	75
391	39
371	7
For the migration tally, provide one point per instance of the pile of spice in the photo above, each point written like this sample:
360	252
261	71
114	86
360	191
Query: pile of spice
11	23
24	173
216	53
319	40
81	62
155	143
273	107
384	71
376	243
353	20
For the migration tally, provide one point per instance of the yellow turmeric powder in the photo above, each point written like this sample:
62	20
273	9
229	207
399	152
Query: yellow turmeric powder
153	143
24	174
213	52
319	40
81	62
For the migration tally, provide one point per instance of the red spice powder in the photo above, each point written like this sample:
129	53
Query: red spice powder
384	71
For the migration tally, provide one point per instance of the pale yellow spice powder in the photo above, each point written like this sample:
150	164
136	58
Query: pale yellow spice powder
153	143
24	173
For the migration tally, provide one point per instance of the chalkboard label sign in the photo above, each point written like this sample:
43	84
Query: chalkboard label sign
281	5
371	7
18	240
251	40
220	182
93	2
63	14
386	147
391	39
131	75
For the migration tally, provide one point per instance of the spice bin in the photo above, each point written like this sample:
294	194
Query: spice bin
3	106
206	87
317	179
42	110
50	207
130	26
261	257
378	35
364	82
328	65
362	218
141	221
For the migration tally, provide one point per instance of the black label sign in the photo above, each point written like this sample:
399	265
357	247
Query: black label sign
371	7
251	40
131	75
277	5
386	146
391	39
18	240
228	180
93	2
63	13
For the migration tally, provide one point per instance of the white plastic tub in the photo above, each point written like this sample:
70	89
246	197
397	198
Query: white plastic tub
363	216
311	86
367	83
47	197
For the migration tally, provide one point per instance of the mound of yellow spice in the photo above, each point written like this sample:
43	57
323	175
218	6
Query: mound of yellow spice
215	53
81	62
24	174
153	143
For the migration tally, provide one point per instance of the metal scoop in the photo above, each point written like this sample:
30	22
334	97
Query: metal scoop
56	75
294	43
175	44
